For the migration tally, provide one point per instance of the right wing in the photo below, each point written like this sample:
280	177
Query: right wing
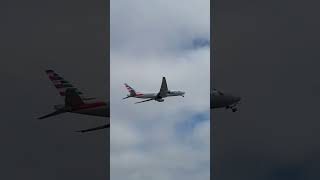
164	88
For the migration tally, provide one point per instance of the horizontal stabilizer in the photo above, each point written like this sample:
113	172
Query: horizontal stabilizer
95	128
52	114
126	97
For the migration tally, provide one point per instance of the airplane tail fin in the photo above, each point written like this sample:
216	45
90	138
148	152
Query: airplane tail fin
131	90
60	83
72	98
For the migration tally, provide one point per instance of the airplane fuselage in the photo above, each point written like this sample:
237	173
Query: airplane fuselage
102	111
163	93
219	100
155	95
95	109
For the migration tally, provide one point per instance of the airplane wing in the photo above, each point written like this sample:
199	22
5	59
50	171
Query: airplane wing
62	85
164	88
144	101
52	114
95	128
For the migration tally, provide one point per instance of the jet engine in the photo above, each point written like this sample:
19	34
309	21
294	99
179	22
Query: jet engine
160	100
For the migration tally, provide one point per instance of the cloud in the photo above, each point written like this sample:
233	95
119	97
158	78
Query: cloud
150	40
149	27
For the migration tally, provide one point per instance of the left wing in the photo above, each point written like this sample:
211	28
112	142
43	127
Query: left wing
164	88
57	112
144	101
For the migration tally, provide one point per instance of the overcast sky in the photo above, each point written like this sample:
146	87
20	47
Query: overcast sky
268	52
149	40
69	37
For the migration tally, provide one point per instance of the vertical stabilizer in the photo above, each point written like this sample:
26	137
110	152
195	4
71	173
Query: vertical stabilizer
131	90
72	98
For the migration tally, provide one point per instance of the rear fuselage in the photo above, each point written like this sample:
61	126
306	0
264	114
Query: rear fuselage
146	95
95	109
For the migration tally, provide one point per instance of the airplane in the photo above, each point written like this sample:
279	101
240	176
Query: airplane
217	100
163	93
76	102
222	100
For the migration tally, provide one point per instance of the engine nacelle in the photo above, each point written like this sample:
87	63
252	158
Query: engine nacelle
160	100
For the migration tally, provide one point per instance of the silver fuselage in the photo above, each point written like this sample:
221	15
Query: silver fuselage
155	95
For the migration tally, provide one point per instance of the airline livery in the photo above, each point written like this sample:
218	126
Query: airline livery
159	96
76	102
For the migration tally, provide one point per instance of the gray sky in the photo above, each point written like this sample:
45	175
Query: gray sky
70	37
151	39
267	52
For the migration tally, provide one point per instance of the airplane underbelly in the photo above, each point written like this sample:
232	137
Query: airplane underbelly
170	95
145	96
220	102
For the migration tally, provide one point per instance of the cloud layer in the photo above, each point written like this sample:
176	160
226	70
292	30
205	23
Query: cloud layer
149	40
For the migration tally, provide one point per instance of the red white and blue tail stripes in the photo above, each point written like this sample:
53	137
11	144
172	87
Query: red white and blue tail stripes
60	83
130	89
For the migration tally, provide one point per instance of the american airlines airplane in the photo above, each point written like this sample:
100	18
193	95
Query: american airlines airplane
76	102
163	93
217	100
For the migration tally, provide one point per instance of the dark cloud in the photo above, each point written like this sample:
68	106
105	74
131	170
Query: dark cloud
70	37
267	52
